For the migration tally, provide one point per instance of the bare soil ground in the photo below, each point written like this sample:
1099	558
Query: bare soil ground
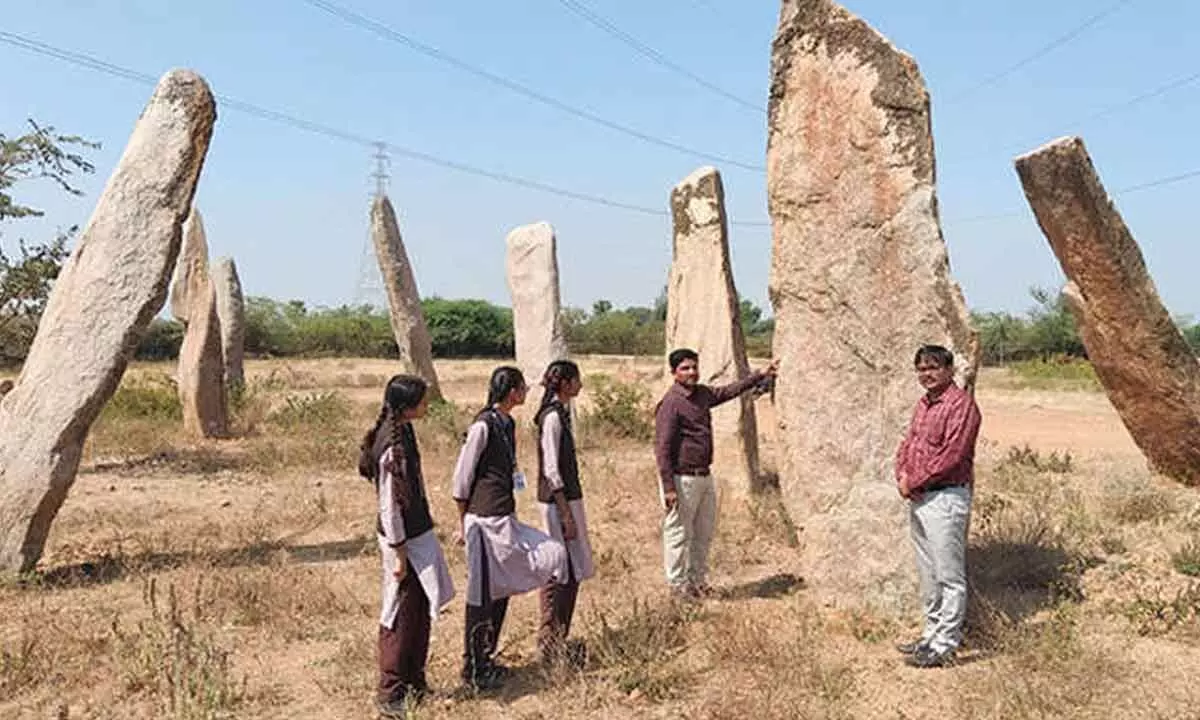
240	579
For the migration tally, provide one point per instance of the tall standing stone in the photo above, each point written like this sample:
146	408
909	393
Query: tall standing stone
404	301
703	313
201	376
231	314
1141	358
860	278
537	307
109	289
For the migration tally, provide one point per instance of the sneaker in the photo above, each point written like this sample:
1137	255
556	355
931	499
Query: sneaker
909	648
926	657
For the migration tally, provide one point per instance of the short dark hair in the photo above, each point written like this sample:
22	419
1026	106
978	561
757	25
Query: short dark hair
936	353
676	358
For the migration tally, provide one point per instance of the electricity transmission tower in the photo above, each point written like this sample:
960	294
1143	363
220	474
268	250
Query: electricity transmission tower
369	290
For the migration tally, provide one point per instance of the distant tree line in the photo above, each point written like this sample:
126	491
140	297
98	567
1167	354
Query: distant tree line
457	328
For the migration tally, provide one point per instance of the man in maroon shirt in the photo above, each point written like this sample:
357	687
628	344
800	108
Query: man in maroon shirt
935	467
683	450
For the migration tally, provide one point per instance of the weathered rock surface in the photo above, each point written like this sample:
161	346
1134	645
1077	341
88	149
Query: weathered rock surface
201	376
860	278
533	282
191	272
5	387
703	314
113	284
231	314
404	300
1143	361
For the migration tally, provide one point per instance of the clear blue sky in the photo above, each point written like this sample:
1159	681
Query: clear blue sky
291	207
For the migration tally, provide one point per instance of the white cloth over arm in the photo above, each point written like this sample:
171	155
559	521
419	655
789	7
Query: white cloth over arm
423	551
551	436
468	459
391	515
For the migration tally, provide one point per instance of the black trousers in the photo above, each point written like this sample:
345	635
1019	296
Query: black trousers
481	630
404	647
558	608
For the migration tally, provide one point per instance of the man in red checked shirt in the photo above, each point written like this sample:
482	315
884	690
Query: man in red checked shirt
935	467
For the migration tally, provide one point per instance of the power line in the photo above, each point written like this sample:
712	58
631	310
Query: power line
641	48
1128	190
325	130
1042	51
393	35
1137	99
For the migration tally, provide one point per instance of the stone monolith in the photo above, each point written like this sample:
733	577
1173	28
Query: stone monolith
231	314
1140	356
404	301
703	313
860	278
537	312
110	288
201	375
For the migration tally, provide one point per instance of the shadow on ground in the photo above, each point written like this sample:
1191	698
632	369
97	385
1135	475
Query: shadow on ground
108	569
771	587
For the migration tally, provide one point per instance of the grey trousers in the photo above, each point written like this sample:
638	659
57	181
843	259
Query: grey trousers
688	530
939	522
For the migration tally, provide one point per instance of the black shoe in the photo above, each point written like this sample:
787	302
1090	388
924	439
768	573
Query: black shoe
928	658
909	648
486	677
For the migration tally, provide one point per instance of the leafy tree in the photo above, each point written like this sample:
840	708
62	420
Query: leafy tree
27	278
601	307
468	328
39	154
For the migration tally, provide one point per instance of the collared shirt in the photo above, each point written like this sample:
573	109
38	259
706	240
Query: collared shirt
683	427
939	449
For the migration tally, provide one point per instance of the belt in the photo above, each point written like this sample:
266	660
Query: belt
700	472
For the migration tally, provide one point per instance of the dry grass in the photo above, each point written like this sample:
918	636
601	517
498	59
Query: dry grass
239	578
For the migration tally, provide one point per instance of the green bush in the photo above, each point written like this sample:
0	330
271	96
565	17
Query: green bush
1187	559
1056	371
144	397
324	411
161	340
620	409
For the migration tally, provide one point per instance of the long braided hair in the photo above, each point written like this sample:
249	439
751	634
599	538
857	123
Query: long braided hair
403	392
504	380
558	373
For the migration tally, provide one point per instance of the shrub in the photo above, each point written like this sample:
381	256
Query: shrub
620	409
144	397
1186	560
1027	457
172	658
321	410
1058	371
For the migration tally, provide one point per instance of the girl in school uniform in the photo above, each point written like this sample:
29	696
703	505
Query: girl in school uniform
416	581
561	498
504	556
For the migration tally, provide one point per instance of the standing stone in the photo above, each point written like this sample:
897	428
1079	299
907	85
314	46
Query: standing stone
201	376
537	311
860	278
231	314
109	289
1141	358
703	314
404	301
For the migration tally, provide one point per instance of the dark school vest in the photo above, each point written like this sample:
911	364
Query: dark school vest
408	485
492	486
568	461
